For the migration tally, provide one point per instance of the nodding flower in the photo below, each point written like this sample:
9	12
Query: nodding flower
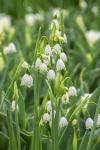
27	80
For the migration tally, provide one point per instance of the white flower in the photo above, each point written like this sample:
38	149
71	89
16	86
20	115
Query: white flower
83	4
85	96
25	65
65	98
13	106
46	117
51	75
89	123
63	57
38	63
60	65
27	80
95	10
63	122
31	19
57	48
72	91
11	48
5	22
98	120
48	106
92	37
48	50
43	68
55	23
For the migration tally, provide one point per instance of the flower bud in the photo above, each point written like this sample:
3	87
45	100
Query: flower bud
25	65
13	106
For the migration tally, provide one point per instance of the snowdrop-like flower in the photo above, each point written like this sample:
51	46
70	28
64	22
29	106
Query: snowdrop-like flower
60	65
43	68
57	48
63	122
38	63
27	80
72	91
85	96
83	4
89	123
29	18
98	120
48	50
48	106
63	57
25	65
5	22
95	10
65	98
13	106
46	117
51	75
11	48
55	23
92	37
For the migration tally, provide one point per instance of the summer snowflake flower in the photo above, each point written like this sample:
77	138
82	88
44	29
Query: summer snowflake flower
25	65
89	123
43	68
63	122
63	57
5	23
27	80
98	120
48	106
51	75
11	48
57	48
60	65
38	63
65	98
72	91
46	117
92	37
13	106
48	50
